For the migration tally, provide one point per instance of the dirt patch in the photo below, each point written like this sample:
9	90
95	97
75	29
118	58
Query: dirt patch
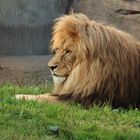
25	70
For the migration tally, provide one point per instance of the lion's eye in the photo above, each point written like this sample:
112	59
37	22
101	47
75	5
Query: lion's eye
67	51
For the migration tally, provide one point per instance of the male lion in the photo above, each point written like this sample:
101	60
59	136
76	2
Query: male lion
92	64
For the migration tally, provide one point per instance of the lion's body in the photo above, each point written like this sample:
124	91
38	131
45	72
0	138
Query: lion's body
102	65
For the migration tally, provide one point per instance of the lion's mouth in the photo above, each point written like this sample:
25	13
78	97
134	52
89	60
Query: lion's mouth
56	75
59	79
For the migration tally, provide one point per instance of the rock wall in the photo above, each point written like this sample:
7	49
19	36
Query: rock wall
123	14
25	25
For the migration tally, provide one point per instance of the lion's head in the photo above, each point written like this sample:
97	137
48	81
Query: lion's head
93	63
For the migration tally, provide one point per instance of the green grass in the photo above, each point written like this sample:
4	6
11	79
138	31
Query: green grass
22	120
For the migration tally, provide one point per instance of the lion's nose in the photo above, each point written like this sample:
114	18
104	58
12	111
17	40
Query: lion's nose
52	67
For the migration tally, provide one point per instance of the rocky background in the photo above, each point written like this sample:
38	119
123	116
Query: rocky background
25	25
25	30
123	14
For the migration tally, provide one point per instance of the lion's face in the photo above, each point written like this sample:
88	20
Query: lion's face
67	50
62	63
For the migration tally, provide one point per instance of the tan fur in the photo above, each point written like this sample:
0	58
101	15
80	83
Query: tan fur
95	64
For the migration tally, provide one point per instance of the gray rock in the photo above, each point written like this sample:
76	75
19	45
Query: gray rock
123	14
25	25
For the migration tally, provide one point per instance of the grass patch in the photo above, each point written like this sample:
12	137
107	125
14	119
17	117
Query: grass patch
22	120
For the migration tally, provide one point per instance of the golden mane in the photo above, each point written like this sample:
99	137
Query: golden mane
108	69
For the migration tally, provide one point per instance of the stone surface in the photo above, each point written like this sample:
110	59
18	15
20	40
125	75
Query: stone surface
25	25
29	70
123	14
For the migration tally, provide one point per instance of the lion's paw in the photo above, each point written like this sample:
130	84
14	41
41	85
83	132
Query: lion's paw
26	97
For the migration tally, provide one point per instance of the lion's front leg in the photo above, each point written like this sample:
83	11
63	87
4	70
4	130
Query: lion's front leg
40	98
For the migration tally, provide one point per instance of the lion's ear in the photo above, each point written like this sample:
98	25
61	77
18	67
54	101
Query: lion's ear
71	12
71	28
73	32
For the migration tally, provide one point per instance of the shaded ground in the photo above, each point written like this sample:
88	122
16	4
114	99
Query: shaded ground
24	70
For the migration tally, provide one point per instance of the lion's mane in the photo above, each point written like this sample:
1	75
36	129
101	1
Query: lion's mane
108	69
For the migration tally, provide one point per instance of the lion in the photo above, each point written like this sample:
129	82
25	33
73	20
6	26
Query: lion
92	64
